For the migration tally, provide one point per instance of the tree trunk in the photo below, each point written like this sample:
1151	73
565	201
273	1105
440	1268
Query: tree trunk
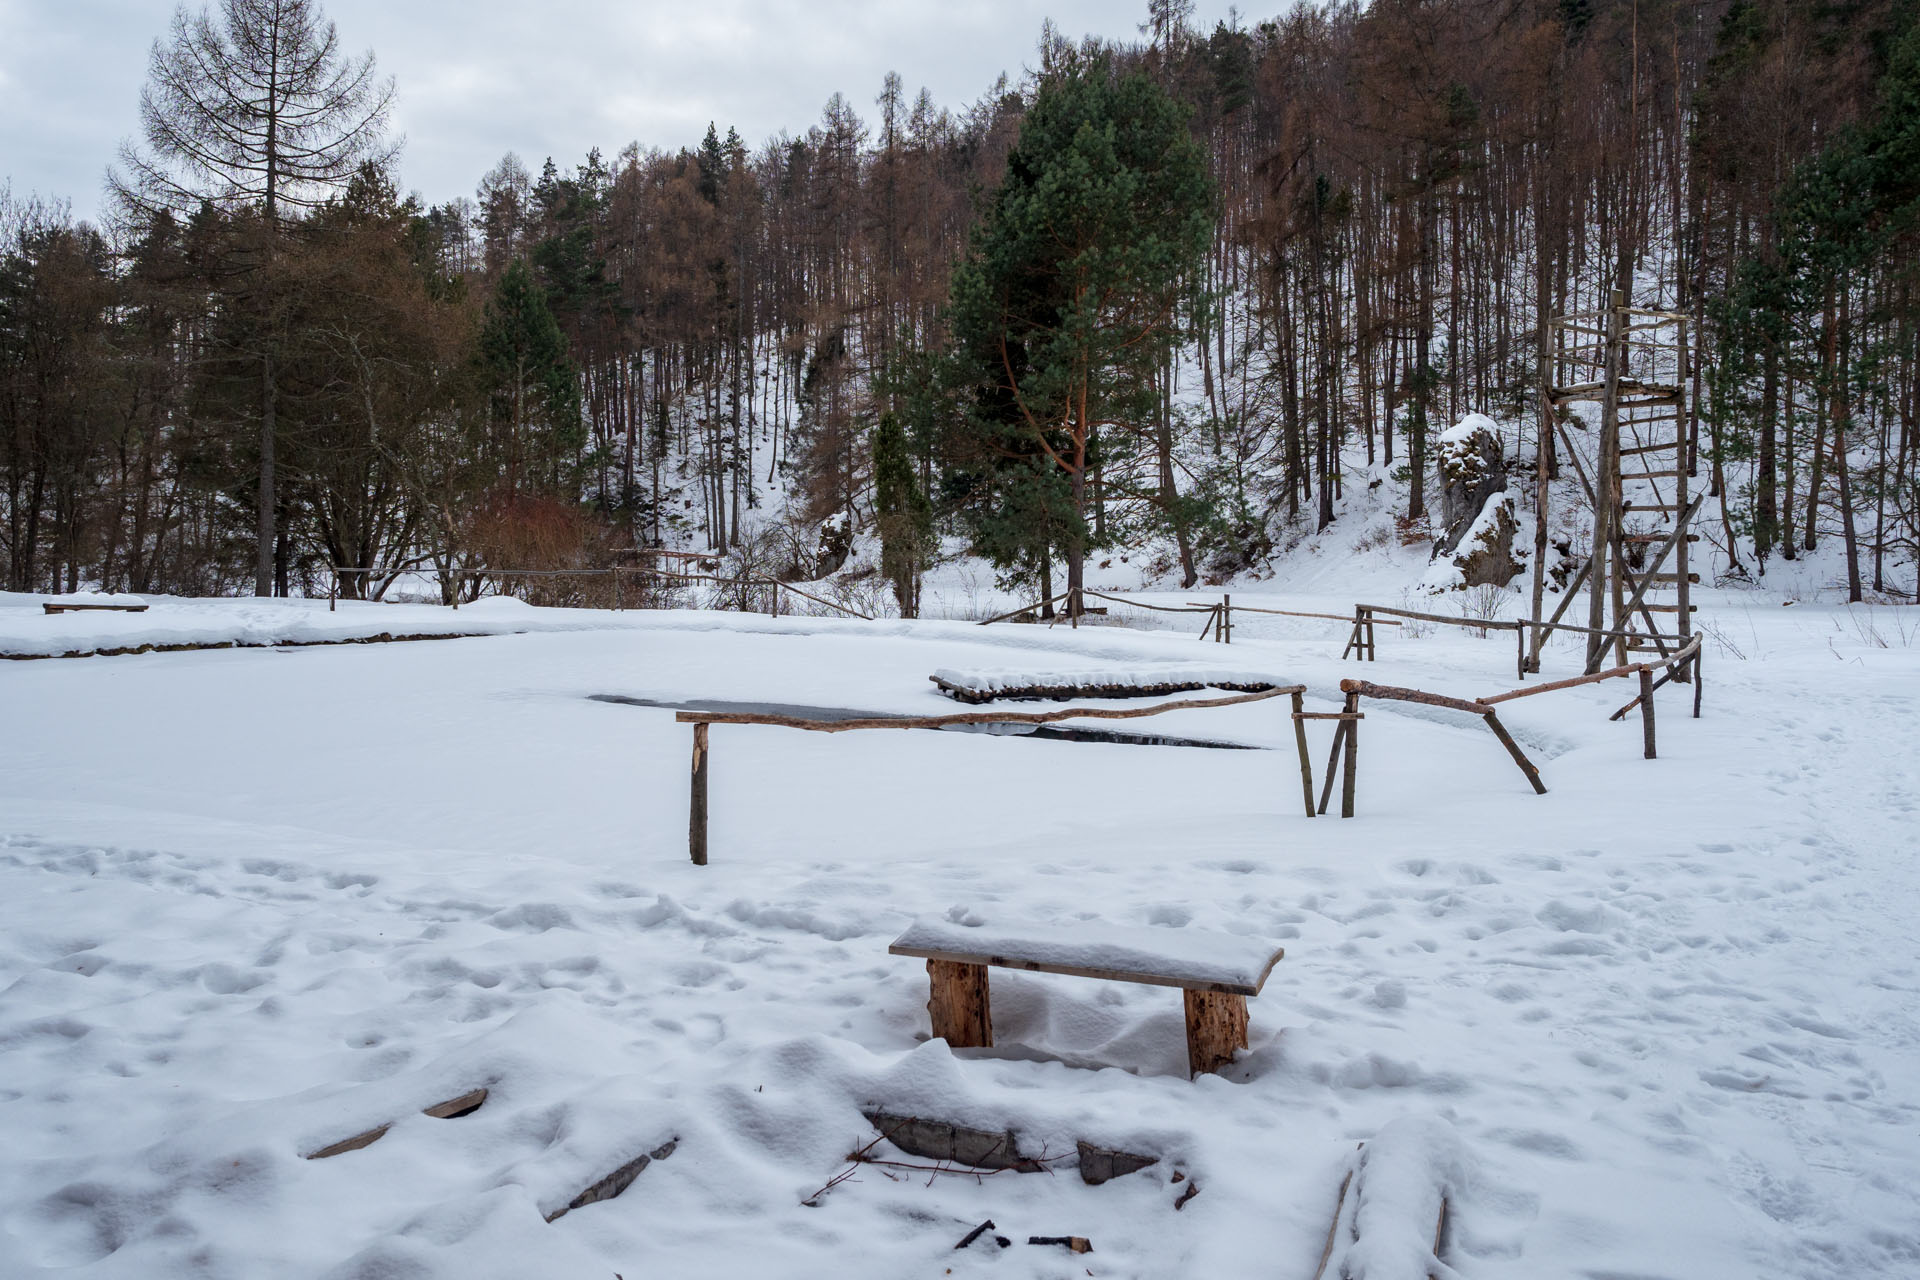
263	563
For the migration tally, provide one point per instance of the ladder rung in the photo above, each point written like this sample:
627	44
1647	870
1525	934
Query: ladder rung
1653	537
1674	577
1655	475
1649	448
1659	506
1668	608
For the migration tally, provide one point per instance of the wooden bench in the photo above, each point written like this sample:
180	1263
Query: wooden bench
1216	971
56	607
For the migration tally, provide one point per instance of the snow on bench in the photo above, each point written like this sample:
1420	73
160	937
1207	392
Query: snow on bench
1216	972
984	686
89	601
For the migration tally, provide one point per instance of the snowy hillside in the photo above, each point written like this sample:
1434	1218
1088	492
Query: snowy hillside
257	901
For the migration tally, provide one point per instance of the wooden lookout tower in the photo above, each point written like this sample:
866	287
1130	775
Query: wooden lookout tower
1632	362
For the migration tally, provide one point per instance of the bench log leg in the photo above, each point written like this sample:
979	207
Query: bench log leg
958	1005
1216	1026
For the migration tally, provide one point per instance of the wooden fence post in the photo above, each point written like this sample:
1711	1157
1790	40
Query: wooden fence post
1352	727
1226	617
1646	710
697	806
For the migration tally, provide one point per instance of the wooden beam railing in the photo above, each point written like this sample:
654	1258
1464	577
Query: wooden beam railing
615	575
1686	660
1357	689
700	720
1364	621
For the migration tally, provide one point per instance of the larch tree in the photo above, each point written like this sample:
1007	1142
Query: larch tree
253	107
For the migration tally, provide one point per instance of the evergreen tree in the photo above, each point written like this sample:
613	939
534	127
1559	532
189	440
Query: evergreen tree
1070	297
905	517
535	388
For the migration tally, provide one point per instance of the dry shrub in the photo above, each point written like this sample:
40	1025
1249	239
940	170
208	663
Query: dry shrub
529	533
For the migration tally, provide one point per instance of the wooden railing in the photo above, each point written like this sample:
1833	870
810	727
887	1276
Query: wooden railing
700	720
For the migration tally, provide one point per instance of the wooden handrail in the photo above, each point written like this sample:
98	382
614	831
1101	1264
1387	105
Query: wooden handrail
1495	624
974	717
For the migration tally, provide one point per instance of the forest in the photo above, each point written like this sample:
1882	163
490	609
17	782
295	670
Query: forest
1153	295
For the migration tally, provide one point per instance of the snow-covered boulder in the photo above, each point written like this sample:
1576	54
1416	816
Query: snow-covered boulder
1477	514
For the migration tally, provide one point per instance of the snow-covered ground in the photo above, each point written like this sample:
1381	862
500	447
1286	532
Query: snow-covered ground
254	901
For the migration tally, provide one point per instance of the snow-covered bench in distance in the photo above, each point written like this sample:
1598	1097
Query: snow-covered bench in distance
80	606
1216	971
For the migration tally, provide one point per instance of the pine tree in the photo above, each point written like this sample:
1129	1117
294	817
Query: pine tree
536	390
1071	295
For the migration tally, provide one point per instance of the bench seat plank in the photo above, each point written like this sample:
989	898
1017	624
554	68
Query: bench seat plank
1193	959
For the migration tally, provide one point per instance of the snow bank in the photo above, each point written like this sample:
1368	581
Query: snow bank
1403	1175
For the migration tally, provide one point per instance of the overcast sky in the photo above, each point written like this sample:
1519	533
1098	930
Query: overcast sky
479	78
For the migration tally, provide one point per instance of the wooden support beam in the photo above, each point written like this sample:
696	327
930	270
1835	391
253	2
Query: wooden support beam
697	801
1352	727
1551	685
1300	744
958	1004
976	717
1393	693
1519	756
1542	635
1646	710
1216	1026
1333	762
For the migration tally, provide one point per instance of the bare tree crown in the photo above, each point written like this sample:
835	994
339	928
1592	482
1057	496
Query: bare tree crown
251	102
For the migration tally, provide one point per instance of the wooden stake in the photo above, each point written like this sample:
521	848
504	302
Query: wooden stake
1646	710
1333	763
1300	744
1216	1026
1519	756
1353	754
1333	1228
697	806
958	1004
1696	684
